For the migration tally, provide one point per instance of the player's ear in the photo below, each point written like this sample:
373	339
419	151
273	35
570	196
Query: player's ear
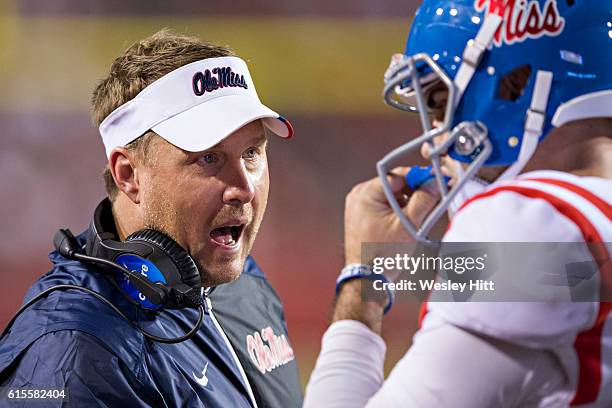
122	165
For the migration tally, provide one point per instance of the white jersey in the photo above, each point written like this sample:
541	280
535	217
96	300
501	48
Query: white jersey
543	206
494	354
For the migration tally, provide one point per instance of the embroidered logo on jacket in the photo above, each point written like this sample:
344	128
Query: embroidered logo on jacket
203	381
523	19
268	351
211	80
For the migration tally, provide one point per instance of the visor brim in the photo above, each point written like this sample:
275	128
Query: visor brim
207	124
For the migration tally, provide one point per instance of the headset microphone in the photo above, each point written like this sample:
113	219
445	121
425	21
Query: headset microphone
168	278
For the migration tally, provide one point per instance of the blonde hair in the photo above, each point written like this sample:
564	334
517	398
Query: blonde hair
142	63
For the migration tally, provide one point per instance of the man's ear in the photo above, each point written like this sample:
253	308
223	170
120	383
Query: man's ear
122	166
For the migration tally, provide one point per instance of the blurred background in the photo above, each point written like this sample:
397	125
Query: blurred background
318	62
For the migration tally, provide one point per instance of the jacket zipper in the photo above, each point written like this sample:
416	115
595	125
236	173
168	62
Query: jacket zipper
231	349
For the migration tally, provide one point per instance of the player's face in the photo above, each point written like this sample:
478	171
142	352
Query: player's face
211	202
511	86
436	97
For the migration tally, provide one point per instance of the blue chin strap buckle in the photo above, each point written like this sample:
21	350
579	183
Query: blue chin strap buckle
418	176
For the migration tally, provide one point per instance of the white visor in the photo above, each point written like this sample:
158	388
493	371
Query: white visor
193	107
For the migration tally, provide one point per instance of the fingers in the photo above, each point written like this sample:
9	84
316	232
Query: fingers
367	201
419	206
372	191
397	179
374	188
397	182
416	205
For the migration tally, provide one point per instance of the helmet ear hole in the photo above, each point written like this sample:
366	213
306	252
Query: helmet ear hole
512	85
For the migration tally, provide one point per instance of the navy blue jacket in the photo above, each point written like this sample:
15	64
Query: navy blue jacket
240	357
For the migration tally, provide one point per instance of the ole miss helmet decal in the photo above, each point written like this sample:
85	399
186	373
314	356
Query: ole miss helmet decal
523	19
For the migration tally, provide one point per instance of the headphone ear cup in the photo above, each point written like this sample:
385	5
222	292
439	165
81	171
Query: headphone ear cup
185	265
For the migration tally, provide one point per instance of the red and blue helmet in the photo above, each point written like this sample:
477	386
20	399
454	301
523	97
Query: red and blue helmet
562	48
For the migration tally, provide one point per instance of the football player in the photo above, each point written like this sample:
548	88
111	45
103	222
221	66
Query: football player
516	94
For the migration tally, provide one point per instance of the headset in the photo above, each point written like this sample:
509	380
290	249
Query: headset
152	269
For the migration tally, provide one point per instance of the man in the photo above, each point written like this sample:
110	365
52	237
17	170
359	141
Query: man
495	77
187	180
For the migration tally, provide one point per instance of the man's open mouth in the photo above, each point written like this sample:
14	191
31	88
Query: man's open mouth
227	235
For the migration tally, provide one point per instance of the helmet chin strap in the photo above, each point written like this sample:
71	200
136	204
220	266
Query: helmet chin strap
536	114
535	118
534	124
473	52
471	187
472	55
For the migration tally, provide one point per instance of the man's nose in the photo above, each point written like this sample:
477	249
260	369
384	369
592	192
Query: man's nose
240	188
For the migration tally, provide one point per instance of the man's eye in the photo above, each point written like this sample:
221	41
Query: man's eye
208	158
251	153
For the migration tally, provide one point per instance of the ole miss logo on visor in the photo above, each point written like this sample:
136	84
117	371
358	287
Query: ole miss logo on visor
523	19
219	77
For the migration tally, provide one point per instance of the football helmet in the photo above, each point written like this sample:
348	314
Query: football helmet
562	49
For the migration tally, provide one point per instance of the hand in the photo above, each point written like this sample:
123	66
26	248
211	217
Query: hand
368	217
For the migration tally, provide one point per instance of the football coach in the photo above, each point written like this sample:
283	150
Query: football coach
158	303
